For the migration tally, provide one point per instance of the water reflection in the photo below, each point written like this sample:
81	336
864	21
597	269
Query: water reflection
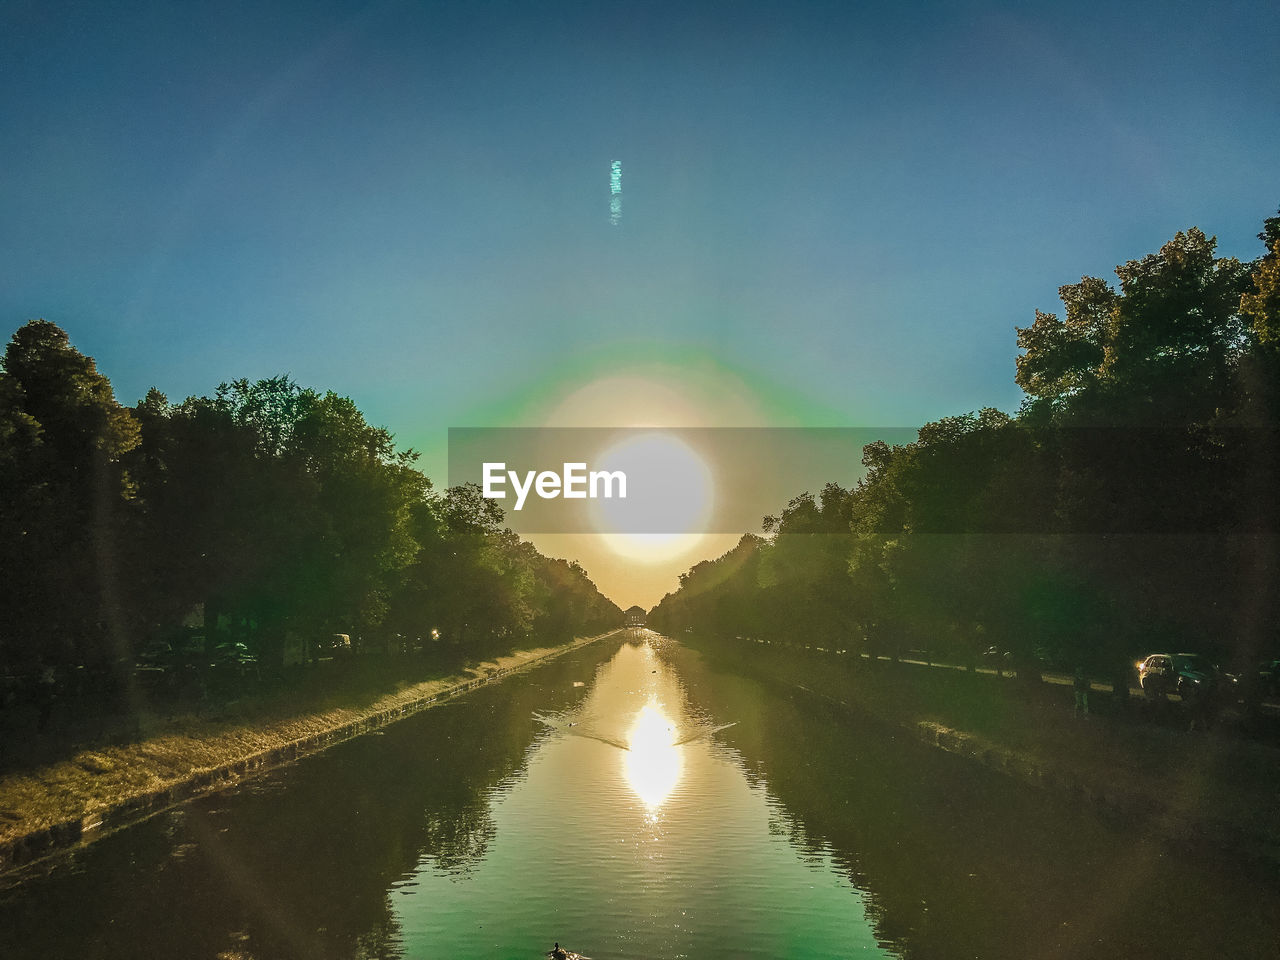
308	862
633	834
958	862
652	763
470	831
639	706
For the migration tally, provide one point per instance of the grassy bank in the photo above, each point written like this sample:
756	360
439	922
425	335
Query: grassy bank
1211	790
172	757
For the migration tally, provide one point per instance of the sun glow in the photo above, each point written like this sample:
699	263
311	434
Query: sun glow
652	761
669	505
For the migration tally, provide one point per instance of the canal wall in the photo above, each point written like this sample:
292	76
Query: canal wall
1180	825
1177	813
35	845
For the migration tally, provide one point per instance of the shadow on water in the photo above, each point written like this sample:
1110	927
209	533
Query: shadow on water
958	861
304	862
444	818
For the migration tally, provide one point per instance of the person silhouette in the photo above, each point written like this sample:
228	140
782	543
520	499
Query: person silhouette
1081	685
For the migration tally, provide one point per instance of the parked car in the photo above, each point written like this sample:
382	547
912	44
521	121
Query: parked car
171	666
234	658
335	646
184	653
1189	675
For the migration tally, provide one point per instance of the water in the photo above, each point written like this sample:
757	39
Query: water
629	822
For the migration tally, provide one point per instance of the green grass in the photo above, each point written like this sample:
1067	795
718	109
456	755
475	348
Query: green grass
60	778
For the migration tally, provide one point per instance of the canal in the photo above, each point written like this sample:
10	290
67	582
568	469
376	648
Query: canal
634	800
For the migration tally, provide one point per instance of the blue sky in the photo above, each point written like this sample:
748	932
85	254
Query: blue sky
409	203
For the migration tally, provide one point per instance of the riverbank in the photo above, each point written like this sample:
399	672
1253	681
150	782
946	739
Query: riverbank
50	808
1205	792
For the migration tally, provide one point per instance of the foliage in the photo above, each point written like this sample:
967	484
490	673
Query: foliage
266	511
63	489
1129	505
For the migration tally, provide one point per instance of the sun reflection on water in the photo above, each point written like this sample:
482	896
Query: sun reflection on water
652	761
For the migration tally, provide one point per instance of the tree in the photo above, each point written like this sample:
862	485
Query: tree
62	436
1261	303
1163	346
1124	500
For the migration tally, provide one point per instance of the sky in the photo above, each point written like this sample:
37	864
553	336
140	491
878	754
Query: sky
831	213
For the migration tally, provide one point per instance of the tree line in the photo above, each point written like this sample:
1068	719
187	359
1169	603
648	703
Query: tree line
1128	507
267	511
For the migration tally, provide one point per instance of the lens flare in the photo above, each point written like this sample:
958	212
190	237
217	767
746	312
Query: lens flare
615	192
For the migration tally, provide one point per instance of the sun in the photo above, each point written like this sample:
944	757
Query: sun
669	498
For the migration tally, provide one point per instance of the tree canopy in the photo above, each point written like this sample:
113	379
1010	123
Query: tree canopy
269	508
1129	502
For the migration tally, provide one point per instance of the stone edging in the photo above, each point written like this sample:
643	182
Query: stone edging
1188	833
1191	833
